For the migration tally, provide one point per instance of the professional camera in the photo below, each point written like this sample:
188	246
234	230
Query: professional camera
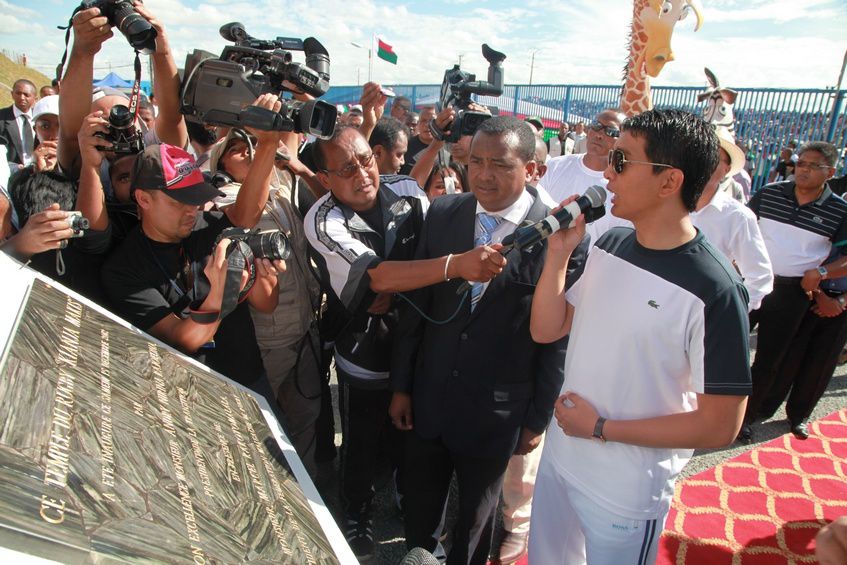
78	223
271	245
220	90
457	88
125	137
138	31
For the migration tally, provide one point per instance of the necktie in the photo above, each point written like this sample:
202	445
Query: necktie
27	135
487	224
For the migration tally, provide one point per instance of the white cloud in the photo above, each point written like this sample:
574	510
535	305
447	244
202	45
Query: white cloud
750	42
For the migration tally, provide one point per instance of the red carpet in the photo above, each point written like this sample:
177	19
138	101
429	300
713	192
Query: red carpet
763	507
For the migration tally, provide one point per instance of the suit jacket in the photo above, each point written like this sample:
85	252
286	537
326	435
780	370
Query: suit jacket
478	379
10	136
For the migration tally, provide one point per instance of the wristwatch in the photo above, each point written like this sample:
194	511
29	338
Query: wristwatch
823	272
598	429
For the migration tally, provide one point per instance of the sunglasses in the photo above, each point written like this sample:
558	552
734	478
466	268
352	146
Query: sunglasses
350	170
617	160
801	164
608	130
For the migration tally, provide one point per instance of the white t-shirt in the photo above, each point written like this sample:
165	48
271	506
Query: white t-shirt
568	175
646	348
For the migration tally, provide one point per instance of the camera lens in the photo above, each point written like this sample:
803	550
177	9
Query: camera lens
269	245
119	117
137	30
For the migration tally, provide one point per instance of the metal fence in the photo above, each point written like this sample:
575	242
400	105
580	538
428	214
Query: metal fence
767	118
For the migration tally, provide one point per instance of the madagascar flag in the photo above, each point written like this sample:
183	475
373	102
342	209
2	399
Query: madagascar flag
385	51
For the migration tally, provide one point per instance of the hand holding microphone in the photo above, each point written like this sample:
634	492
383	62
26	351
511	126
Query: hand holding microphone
590	203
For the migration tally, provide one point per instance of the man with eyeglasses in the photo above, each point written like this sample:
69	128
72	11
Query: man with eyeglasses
804	226
673	311
570	175
401	108
364	234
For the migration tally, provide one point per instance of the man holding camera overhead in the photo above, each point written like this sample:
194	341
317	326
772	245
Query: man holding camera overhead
172	278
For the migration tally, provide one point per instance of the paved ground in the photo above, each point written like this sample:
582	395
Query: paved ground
389	526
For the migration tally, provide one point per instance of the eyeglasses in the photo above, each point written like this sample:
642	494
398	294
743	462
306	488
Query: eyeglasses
608	130
617	160
350	170
801	164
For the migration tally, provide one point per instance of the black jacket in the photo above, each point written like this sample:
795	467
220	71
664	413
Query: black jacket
477	380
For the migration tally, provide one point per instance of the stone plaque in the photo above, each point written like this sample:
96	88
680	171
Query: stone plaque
114	448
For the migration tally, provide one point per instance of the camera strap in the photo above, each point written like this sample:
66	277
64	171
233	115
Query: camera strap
238	256
136	88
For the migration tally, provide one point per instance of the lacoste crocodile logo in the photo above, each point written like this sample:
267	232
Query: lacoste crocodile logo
653	304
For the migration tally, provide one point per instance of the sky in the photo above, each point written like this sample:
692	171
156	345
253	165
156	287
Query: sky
746	43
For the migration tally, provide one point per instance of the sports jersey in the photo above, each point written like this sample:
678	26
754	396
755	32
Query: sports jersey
651	330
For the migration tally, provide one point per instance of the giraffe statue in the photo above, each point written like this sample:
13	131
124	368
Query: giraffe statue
719	102
650	47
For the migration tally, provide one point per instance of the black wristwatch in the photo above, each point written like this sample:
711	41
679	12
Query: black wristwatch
598	429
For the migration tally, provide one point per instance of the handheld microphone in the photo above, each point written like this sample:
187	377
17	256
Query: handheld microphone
527	236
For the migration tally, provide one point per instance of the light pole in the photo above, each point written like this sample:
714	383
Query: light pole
532	64
370	61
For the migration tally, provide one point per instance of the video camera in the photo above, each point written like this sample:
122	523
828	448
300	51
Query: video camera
457	88
220	90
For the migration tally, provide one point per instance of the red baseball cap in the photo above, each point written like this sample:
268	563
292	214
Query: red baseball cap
173	171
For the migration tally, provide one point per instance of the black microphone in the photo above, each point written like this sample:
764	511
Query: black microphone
527	236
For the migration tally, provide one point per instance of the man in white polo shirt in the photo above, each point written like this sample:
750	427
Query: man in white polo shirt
731	226
570	175
673	313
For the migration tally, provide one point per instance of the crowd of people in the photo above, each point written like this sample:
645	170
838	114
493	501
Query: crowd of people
572	378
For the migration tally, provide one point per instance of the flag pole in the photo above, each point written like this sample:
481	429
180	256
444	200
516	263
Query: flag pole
371	58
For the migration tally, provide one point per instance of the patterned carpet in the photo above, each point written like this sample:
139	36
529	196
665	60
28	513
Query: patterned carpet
763	507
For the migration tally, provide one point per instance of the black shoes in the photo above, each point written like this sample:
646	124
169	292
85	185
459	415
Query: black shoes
800	430
745	436
360	533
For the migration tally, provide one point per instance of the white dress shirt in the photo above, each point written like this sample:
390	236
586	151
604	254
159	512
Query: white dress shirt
22	123
733	229
511	219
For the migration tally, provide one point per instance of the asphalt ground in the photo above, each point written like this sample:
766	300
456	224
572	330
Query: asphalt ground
388	523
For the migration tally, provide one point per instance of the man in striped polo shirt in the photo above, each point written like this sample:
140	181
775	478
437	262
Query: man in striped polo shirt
800	221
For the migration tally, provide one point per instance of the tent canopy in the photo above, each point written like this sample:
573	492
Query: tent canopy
114	81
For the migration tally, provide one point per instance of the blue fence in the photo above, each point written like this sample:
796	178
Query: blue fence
767	118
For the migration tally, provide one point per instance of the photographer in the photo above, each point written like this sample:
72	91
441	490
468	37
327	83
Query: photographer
90	30
287	337
168	277
48	230
35	195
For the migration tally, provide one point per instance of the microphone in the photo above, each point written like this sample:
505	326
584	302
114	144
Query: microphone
527	236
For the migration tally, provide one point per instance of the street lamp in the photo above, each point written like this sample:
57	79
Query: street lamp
370	61
532	64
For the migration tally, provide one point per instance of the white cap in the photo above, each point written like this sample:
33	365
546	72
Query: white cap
47	105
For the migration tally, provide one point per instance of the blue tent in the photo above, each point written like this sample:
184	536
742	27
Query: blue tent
114	81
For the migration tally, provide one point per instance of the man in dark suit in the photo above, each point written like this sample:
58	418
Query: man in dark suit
16	127
477	389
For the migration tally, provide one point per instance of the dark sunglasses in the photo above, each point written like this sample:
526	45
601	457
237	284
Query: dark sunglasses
608	130
617	160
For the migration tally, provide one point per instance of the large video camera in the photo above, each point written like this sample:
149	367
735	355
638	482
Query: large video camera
457	88
220	90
